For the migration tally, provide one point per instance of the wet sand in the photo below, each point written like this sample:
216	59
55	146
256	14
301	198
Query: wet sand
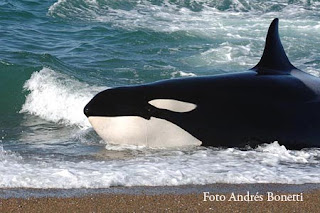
166	199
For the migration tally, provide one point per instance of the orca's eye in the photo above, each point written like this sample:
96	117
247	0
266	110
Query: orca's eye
173	105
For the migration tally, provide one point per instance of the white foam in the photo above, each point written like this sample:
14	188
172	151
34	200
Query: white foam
266	164
242	25
124	147
225	56
182	74
166	17
57	97
174	16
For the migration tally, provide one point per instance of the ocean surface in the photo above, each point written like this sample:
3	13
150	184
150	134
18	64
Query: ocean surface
56	55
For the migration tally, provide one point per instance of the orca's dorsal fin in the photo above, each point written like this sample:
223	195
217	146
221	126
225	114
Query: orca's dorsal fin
274	59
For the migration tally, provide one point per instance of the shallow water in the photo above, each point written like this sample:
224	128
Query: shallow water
55	55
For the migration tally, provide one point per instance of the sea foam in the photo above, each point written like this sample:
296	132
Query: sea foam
171	16
210	20
270	163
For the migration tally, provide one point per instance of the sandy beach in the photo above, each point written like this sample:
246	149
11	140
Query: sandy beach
167	199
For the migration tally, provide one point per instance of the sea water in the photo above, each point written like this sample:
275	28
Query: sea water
56	55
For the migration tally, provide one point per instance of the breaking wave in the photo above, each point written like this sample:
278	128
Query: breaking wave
57	97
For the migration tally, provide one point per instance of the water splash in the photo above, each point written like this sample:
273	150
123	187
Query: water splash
57	97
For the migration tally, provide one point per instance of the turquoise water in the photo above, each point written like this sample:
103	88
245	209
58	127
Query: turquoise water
55	55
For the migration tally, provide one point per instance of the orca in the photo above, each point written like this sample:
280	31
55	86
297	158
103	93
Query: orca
273	101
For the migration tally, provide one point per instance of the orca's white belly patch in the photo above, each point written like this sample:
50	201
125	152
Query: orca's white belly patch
134	130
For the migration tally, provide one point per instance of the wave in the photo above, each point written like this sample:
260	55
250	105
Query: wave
234	30
57	97
270	163
175	15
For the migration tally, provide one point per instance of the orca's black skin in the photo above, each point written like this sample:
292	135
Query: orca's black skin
274	101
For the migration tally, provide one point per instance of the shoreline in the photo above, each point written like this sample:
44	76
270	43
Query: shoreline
158	190
188	198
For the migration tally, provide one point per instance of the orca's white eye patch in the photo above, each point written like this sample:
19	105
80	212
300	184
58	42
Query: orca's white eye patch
173	105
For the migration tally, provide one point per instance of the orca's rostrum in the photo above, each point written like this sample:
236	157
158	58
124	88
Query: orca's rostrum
274	101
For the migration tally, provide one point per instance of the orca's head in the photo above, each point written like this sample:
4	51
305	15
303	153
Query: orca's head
115	102
130	115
